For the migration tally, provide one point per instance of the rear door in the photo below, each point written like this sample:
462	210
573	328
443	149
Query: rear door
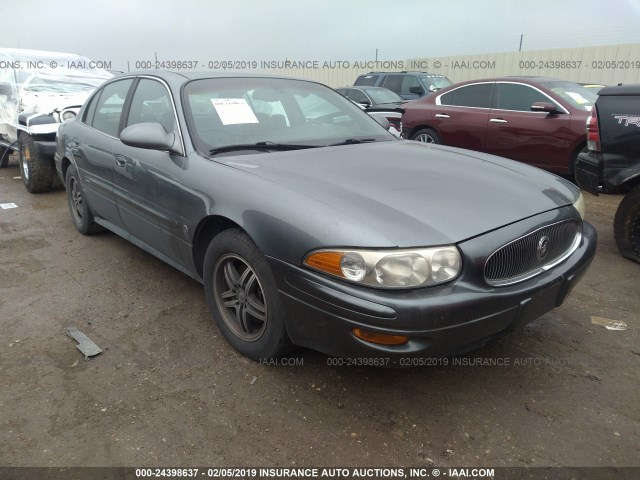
461	115
537	138
93	150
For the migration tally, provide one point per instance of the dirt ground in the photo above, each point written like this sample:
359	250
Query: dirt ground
169	391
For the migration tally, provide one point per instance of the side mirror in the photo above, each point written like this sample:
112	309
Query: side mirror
149	135
417	90
365	104
545	107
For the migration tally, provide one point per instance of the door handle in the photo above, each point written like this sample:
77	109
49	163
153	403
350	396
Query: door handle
497	120
441	115
120	160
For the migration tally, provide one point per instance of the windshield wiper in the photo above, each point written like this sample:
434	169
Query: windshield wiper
262	146
350	141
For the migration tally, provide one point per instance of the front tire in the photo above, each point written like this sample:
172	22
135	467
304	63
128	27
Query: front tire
243	298
427	135
626	225
81	214
37	170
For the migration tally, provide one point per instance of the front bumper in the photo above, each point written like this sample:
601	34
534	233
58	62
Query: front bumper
444	320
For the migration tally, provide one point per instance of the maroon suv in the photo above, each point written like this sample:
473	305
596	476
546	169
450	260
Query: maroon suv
535	120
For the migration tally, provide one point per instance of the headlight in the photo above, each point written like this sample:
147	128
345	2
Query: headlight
67	115
579	205
389	268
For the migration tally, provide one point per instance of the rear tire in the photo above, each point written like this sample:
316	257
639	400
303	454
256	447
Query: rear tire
626	225
427	135
243	298
81	214
37	170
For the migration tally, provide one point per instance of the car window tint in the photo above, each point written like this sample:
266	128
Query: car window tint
357	96
314	106
394	83
268	111
90	109
515	96
151	103
408	82
109	107
368	80
478	96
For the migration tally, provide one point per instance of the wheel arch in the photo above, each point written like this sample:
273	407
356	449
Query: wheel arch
633	181
422	126
206	230
64	166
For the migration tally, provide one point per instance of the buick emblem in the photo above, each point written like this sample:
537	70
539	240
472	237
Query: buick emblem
543	248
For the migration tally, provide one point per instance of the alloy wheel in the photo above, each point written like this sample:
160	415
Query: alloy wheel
425	138
240	297
76	200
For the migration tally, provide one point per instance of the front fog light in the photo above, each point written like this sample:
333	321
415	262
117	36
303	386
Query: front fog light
353	266
445	265
402	270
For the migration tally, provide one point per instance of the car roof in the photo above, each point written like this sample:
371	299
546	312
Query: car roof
403	71
620	90
365	87
533	80
181	76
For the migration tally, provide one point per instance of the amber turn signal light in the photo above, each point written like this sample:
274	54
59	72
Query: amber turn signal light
328	262
380	338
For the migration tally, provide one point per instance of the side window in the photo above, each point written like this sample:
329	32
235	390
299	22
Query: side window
151	103
515	96
358	96
90	109
478	96
408	82
394	83
109	107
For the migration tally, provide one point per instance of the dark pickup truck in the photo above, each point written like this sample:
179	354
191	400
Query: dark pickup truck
612	163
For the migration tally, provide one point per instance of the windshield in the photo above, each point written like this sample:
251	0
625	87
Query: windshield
577	95
435	82
383	95
223	112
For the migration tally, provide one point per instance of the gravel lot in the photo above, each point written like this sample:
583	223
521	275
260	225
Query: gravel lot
168	390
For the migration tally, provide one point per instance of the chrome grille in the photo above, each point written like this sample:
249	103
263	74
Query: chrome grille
525	257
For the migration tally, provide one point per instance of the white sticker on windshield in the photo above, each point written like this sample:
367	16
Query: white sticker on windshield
578	98
233	111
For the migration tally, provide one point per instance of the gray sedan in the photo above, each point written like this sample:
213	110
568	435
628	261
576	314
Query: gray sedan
310	225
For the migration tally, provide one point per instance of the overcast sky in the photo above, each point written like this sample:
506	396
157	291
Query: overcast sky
204	30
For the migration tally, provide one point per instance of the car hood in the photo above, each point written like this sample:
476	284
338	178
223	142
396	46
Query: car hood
413	193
